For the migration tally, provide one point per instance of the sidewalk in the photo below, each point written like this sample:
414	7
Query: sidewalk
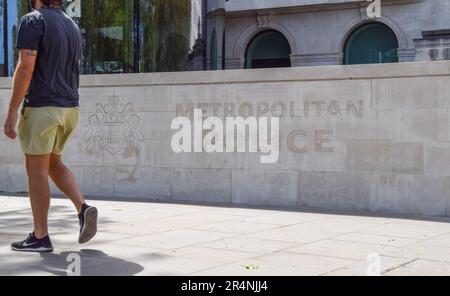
174	239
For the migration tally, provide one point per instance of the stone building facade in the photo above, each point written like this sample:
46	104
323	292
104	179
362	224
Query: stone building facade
318	31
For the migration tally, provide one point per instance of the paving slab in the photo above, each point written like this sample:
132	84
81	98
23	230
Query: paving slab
421	267
145	238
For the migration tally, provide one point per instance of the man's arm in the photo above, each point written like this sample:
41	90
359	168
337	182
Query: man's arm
21	83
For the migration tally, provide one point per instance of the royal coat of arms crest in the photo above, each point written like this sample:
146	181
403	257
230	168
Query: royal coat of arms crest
114	128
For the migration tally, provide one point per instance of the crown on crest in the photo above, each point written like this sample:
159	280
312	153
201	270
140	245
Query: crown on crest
114	100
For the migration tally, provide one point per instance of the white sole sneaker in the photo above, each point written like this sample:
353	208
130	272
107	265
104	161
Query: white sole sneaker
89	229
35	250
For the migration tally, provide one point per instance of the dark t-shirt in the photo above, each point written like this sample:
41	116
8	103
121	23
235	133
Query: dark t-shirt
56	75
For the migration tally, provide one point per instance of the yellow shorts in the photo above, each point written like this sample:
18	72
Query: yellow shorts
46	130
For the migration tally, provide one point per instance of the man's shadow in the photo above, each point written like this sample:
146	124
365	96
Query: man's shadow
87	262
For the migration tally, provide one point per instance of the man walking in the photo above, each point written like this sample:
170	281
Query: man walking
47	75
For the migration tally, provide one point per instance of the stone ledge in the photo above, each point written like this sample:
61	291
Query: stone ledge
339	72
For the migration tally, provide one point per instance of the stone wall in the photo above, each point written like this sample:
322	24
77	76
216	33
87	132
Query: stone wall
360	138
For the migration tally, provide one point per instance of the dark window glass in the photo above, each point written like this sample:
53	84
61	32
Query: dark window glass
268	49
373	43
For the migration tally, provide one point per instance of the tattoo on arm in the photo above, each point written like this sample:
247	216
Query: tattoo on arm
31	52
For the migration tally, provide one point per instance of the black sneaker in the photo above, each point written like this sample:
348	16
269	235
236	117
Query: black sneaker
88	223
32	244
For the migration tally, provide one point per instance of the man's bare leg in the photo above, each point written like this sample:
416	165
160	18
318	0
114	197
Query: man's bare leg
65	181
37	170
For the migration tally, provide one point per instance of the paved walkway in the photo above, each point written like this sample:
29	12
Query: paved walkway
174	239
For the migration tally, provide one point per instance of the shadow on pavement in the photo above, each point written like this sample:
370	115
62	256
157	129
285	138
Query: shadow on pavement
16	223
91	263
14	217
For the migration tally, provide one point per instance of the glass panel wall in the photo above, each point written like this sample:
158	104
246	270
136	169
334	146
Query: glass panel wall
2	39
165	28
107	31
121	36
10	15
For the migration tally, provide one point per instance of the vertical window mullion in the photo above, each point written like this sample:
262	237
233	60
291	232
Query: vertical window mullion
135	36
5	39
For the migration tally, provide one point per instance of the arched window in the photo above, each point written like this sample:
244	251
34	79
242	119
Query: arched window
213	54
268	49
373	43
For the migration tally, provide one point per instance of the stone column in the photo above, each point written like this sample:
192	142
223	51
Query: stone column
216	22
